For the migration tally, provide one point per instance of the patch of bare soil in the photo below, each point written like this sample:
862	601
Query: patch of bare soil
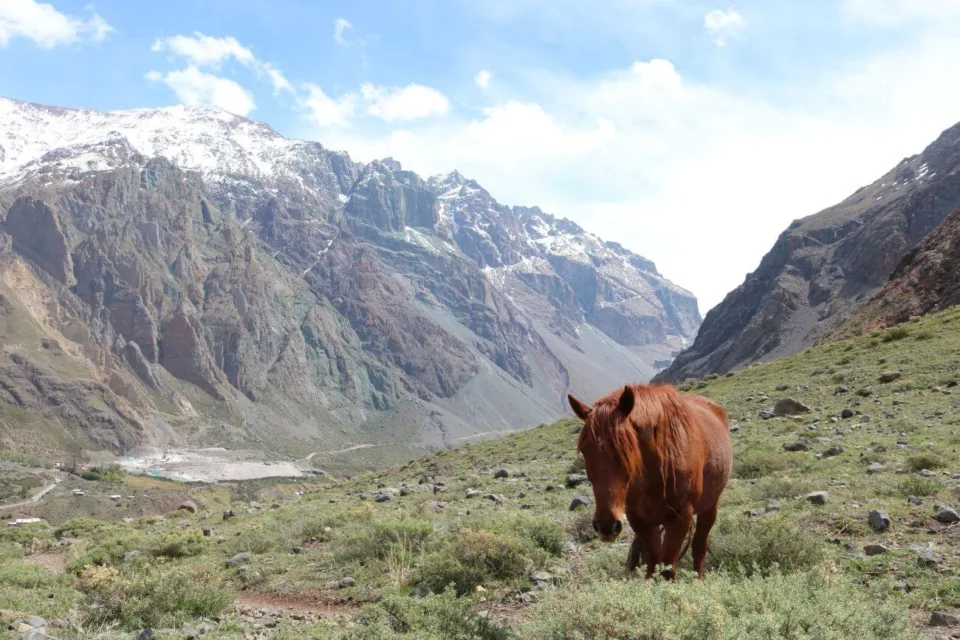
299	606
55	561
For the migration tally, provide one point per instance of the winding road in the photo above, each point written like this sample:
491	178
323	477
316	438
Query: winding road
47	488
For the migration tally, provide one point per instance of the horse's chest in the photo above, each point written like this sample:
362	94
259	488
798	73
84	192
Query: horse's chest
655	500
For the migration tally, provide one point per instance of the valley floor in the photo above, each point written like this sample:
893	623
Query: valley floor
481	541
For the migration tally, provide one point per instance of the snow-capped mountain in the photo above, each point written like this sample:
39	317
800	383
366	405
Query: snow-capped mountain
298	286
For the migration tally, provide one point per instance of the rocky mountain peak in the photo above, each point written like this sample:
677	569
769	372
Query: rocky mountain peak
273	288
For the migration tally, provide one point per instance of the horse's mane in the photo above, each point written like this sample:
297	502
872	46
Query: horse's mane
659	424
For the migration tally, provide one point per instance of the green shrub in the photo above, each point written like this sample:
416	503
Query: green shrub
929	460
80	528
759	545
159	596
895	333
471	558
918	486
377	538
805	605
110	473
756	463
434	617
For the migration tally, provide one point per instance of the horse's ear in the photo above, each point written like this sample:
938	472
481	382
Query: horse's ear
625	406
582	410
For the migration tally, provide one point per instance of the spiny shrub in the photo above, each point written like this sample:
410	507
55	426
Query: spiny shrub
895	333
918	486
756	463
928	460
149	597
810	605
433	617
471	558
759	545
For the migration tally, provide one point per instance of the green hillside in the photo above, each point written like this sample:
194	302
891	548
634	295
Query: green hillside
458	552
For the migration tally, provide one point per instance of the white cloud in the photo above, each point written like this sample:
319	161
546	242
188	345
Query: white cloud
698	177
723	24
204	50
482	79
411	102
194	87
340	29
325	111
209	51
47	27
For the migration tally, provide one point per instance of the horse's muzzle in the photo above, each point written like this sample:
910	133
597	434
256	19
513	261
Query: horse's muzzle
608	532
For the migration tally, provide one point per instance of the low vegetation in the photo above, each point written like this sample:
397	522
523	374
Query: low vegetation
481	541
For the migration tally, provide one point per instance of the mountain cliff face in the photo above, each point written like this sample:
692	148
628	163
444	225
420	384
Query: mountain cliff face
825	266
926	280
217	283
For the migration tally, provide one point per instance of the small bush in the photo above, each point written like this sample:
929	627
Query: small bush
110	473
895	333
375	539
438	617
812	604
749	546
472	558
778	488
152	596
925	335
918	486
928	460
756	463
580	527
80	528
579	465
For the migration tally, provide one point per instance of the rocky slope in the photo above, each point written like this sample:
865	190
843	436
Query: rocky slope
825	266
925	281
224	285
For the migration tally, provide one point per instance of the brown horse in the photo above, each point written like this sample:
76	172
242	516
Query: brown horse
661	458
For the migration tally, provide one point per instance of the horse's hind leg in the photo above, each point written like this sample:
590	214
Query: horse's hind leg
705	522
636	547
674	535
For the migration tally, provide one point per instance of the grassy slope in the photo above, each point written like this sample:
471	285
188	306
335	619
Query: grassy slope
825	587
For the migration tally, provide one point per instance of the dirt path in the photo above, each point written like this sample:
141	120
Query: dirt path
306	605
399	444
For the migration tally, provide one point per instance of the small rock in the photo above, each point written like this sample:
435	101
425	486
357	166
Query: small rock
846	414
818	497
480	589
914	500
229	514
433	506
495	498
926	473
879	520
473	493
405	491
766	415
774	505
240	558
947	516
927	558
734	427
35	621
297	550
528	598
542	578
345	583
789	407
384	496
889	376
754	513
570	548
875	467
146	634
575	480
501	473
875	549
943	619
190	633
580	501
835	450
803	444
131	555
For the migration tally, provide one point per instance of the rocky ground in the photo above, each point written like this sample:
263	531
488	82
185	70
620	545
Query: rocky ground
841	521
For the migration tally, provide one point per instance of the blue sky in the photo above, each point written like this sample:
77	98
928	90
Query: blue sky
692	132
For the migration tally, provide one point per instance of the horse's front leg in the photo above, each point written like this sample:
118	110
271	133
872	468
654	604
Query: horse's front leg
636	547
649	535
674	535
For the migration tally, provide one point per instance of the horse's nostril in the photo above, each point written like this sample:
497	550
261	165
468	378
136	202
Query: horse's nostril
617	527
596	527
